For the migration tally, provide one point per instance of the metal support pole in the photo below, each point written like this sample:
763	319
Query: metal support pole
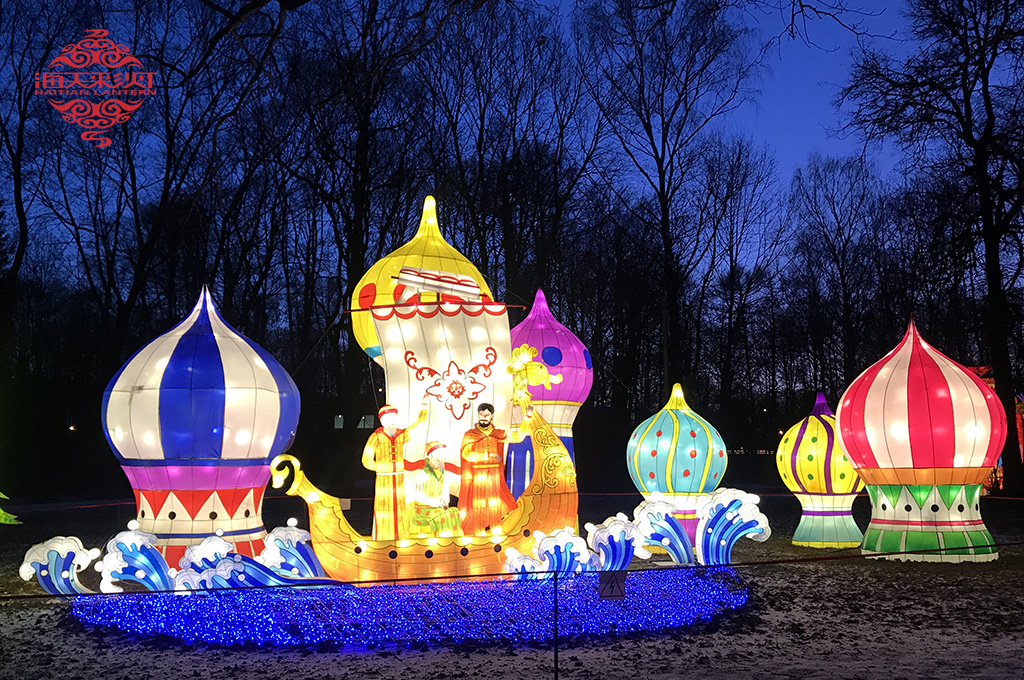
556	626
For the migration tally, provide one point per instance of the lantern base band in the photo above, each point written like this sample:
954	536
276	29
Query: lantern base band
921	523
942	546
826	522
826	544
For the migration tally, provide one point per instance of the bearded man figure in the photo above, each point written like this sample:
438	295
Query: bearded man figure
484	498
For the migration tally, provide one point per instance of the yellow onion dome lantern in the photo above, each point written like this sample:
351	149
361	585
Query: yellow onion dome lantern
821	475
427	251
678	453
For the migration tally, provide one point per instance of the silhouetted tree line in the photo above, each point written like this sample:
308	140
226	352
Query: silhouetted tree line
290	145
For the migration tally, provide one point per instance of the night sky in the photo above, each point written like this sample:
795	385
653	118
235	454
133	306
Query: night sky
767	329
795	112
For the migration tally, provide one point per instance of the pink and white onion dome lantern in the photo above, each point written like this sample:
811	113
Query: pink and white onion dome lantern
923	432
564	355
822	478
194	419
678	453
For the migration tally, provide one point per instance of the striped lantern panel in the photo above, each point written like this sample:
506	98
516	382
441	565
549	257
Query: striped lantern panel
194	419
678	453
823	479
565	356
924	433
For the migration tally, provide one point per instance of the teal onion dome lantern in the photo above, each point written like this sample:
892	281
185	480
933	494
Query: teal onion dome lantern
678	453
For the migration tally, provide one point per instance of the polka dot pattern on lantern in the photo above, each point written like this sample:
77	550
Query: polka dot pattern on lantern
809	452
367	294
552	356
558	348
679	447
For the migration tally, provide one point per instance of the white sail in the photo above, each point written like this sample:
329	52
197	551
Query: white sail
454	353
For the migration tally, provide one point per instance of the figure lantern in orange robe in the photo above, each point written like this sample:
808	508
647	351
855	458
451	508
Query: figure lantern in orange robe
384	454
484	498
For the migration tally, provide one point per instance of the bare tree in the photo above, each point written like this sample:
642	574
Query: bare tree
958	98
737	181
362	132
148	209
30	34
662	76
926	262
509	145
833	203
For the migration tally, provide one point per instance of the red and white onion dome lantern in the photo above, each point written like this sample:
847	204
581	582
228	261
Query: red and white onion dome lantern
923	433
194	418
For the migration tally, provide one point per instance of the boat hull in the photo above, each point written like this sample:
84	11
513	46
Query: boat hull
550	502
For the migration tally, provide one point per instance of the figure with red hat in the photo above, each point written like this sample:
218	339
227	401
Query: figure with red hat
384	454
431	515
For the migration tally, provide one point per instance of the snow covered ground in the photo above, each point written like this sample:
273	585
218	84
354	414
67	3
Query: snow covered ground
846	617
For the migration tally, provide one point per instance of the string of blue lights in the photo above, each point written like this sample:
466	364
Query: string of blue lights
518	612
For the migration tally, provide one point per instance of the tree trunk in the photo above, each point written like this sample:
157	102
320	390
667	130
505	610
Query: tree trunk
1002	371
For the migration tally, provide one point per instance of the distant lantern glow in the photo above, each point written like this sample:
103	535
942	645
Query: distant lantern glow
823	479
678	453
923	432
194	419
564	355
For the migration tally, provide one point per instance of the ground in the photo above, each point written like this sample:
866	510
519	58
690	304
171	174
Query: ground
808	617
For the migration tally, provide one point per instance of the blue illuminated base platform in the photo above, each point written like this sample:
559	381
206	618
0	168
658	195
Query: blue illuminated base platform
514	611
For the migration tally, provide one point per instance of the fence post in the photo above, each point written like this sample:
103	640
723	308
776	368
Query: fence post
556	625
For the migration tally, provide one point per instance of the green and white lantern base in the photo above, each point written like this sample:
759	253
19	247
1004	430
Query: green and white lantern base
927	523
827	521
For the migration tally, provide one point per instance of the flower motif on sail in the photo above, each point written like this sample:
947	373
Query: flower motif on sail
454	388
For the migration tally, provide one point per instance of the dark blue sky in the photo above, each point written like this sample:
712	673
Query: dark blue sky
795	114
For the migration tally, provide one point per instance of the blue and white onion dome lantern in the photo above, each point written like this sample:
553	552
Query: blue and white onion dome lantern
679	454
194	418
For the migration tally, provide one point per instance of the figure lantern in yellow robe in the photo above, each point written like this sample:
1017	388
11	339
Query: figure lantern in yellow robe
431	515
384	454
484	498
